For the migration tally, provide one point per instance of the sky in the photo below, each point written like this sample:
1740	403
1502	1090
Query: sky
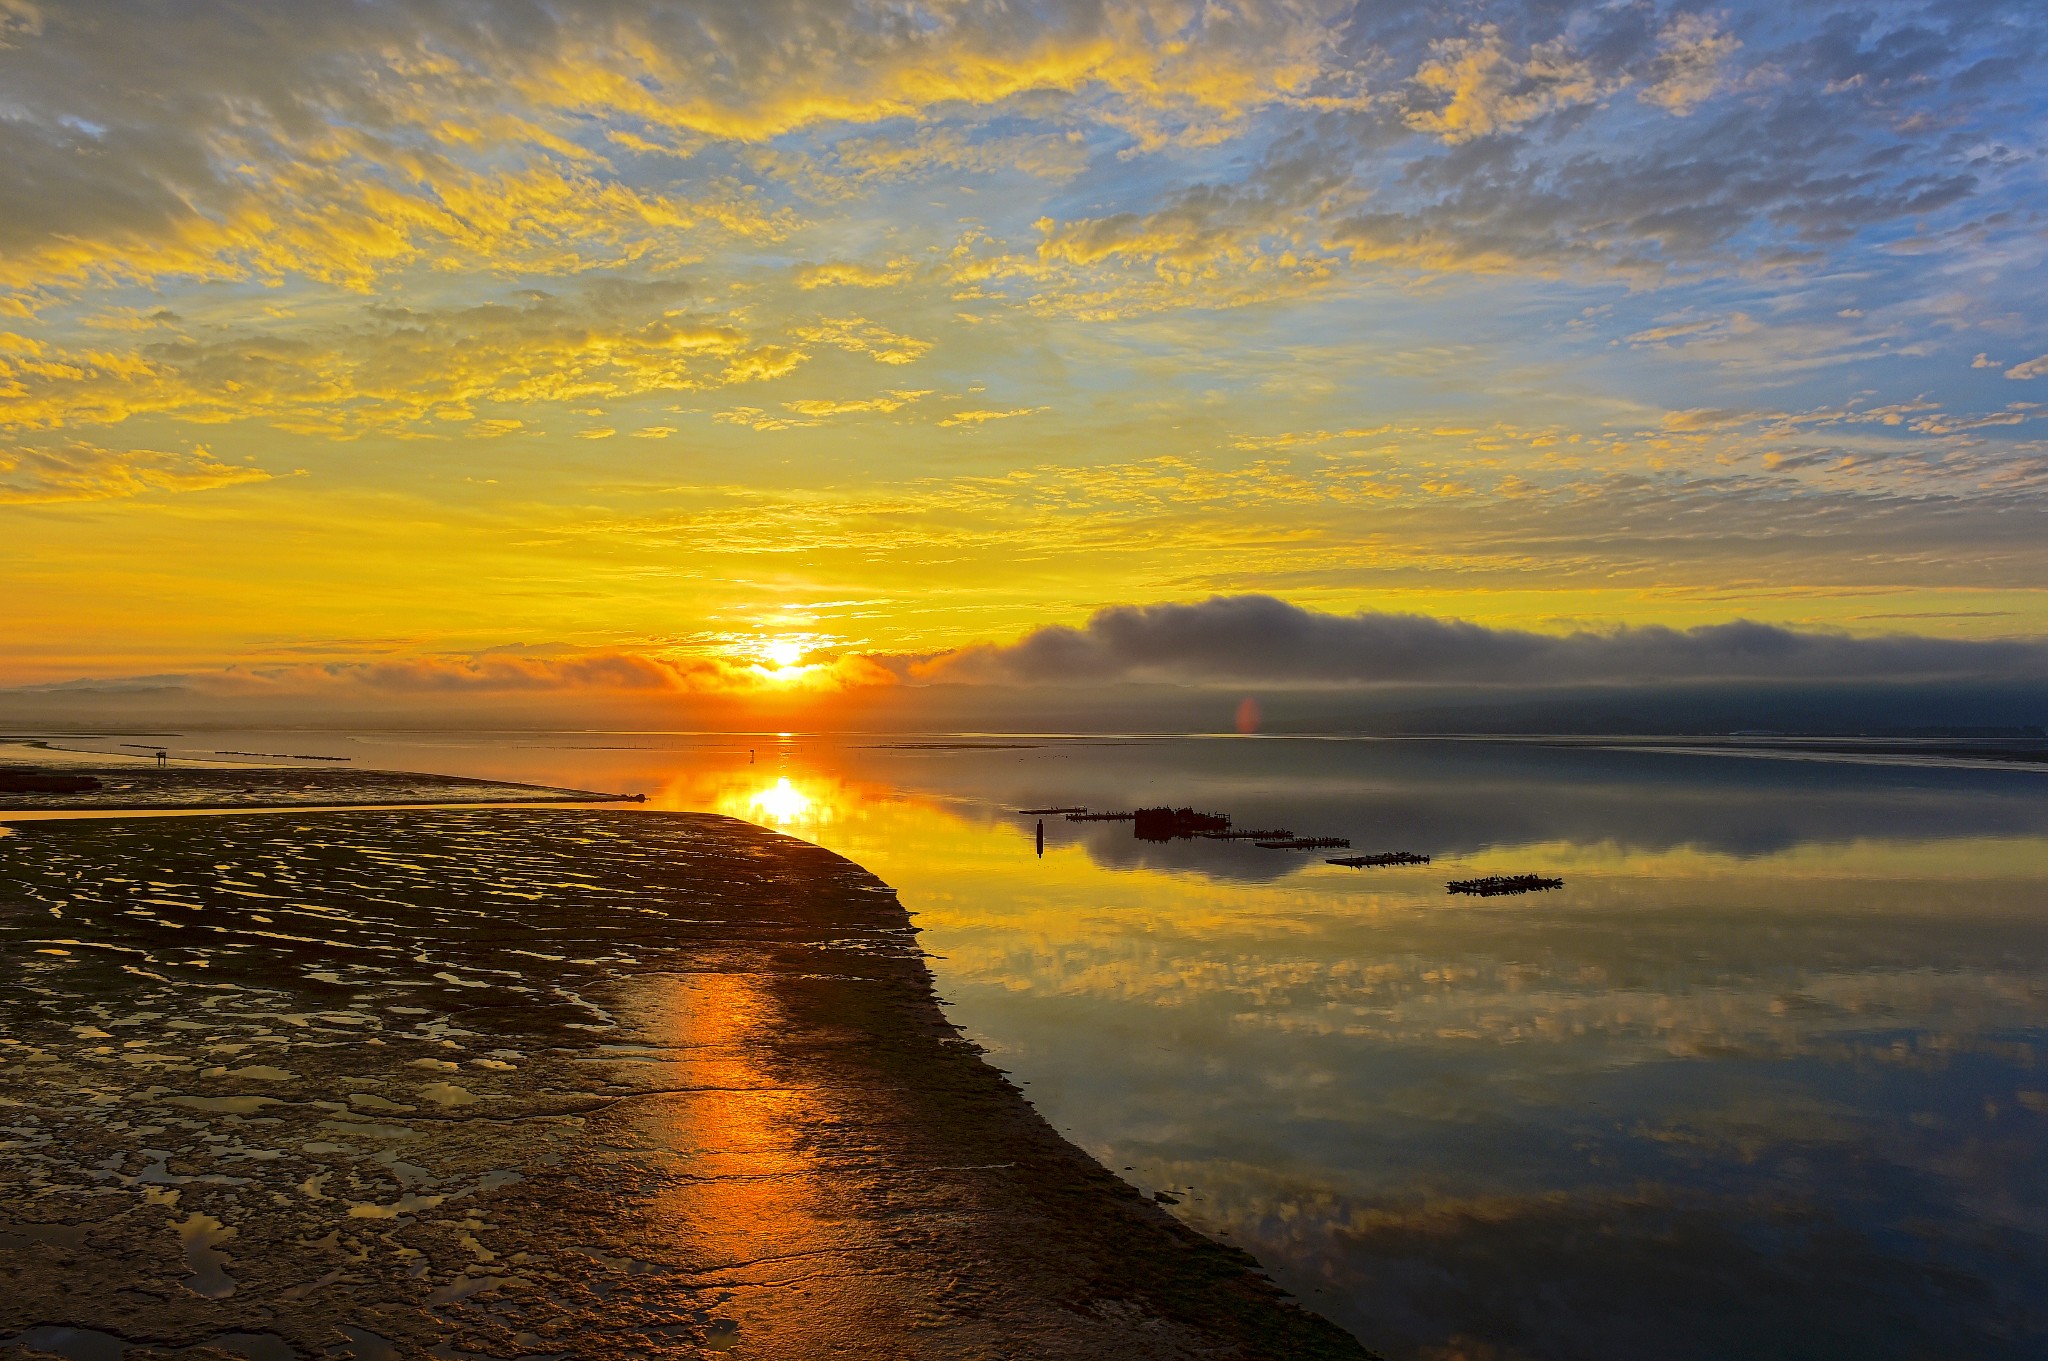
797	347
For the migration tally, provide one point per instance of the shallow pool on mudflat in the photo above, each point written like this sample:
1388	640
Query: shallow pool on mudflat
1764	1078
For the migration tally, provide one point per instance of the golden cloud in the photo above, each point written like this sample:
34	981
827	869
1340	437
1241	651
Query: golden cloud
858	335
351	210
1476	87
513	671
894	401
849	274
86	472
389	368
972	418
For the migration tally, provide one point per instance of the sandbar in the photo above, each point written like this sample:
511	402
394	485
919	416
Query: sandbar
129	784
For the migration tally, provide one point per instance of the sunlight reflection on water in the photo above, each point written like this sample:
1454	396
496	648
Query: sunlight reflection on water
782	803
1765	1078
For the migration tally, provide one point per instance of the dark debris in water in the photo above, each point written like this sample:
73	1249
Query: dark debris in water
1494	885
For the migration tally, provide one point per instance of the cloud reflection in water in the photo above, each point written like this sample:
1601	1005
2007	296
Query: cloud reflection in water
1764	1079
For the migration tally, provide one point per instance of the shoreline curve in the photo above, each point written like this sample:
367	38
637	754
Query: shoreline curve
543	1082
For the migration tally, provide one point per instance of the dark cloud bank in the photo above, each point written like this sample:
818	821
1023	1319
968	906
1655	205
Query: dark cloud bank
1172	666
1258	640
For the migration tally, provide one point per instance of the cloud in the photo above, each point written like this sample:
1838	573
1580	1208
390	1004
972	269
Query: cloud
1693	52
858	335
1474	87
813	411
852	274
358	141
1235	642
85	472
1208	226
2033	368
857	165
357	210
1647	520
1506	153
983	417
533	670
1259	640
382	366
347	144
756	418
1673	181
304	224
339	141
817	406
379	147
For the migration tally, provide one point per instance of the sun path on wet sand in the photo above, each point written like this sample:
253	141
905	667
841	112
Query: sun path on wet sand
524	1083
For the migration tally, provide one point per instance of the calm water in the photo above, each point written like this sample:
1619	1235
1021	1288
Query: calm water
1766	1078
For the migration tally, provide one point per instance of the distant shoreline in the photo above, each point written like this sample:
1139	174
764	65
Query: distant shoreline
2020	752
137	786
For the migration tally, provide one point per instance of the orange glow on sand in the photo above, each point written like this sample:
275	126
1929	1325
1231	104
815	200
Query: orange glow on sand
751	1191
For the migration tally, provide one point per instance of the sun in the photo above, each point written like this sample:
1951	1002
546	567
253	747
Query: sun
783	652
783	662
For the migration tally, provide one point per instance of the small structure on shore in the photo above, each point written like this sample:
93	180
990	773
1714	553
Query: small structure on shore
1363	862
1164	824
1305	843
1493	885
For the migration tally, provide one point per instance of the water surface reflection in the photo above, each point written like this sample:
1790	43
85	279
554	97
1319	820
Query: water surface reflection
1763	1079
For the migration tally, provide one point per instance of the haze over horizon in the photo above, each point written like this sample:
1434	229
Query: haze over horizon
737	362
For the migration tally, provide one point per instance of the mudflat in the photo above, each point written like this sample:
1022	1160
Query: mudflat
523	1083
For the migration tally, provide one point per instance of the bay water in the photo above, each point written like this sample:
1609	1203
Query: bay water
1767	1076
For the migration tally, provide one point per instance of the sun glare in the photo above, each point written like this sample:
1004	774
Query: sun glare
784	652
780	802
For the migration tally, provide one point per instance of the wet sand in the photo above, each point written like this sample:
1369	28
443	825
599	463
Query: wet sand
536	1083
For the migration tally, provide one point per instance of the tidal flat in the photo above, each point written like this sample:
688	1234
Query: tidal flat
522	1083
